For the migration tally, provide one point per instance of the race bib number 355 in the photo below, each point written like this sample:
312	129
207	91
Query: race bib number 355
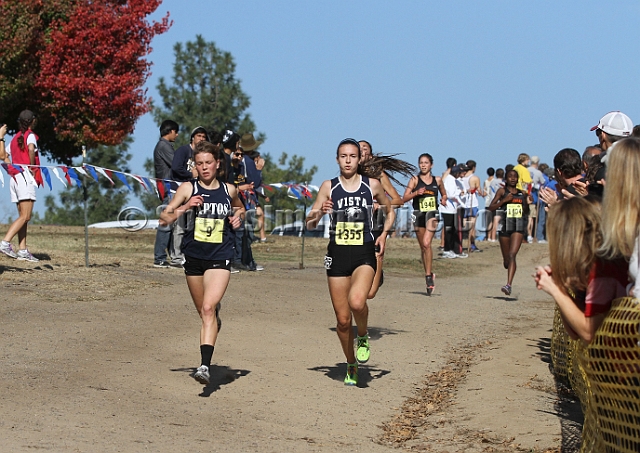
209	230
349	233
427	204
514	211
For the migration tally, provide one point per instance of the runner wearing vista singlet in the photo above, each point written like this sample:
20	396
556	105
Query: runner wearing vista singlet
423	189
351	255
512	202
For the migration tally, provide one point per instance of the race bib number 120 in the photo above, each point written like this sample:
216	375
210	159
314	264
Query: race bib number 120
209	230
349	233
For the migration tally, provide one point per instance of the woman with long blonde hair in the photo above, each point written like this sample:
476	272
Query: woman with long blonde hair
621	204
582	284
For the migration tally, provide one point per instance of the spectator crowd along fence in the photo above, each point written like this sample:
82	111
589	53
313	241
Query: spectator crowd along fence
605	375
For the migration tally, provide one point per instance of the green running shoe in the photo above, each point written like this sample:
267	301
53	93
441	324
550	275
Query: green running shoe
352	374
362	353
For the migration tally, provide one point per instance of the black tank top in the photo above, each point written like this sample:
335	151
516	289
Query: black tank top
428	201
208	235
512	214
351	220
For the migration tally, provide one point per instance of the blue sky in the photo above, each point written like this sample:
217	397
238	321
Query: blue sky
468	79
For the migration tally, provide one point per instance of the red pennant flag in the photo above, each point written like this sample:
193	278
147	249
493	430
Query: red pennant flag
161	190
66	174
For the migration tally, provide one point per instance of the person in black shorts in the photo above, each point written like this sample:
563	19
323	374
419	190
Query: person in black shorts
351	255
513	208
366	153
423	189
212	208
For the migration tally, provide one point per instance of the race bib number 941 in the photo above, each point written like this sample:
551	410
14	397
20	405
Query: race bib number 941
514	211
427	204
209	230
349	233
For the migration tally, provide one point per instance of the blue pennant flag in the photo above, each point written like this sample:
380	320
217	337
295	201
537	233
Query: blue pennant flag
148	182
295	192
47	176
73	175
122	178
92	171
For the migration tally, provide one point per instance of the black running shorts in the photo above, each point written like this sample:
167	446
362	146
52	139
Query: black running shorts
422	218
342	260
196	266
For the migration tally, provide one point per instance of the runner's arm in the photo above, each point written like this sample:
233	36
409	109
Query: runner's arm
239	211
409	193
380	195
497	200
175	208
321	206
391	191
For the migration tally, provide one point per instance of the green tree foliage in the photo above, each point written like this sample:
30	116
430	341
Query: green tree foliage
204	92
105	201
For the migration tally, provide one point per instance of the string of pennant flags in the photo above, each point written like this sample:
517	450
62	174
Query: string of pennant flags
70	176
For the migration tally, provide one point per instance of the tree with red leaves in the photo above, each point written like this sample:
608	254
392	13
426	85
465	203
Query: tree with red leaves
80	65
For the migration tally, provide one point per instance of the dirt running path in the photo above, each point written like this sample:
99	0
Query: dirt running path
113	375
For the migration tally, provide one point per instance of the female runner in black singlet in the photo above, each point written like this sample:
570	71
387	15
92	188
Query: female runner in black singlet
351	255
514	207
366	153
213	208
423	190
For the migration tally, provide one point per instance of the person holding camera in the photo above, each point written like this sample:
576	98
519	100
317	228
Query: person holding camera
4	156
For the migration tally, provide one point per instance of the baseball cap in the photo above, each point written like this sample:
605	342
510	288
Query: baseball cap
27	116
198	130
535	159
457	169
615	123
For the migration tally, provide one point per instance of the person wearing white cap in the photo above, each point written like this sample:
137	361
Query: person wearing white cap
612	127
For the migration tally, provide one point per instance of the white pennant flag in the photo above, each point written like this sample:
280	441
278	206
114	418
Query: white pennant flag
81	171
104	173
55	172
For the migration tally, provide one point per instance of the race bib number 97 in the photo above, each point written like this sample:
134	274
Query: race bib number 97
209	230
514	211
427	204
349	233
